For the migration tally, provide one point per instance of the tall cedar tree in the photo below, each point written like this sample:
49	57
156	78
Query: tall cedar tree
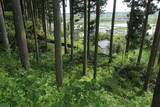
64	26
112	30
144	31
153	54
91	22
85	38
3	31
20	33
57	35
96	37
159	59
2	6
35	34
89	31
129	26
156	95
22	2
72	26
44	21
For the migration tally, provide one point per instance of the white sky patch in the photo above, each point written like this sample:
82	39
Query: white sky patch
120	7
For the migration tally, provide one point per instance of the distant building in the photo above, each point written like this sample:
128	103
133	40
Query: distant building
105	45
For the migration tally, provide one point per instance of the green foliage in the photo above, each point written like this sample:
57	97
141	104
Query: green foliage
37	87
8	14
135	25
102	36
119	43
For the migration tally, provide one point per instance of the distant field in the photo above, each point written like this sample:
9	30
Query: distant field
121	17
120	21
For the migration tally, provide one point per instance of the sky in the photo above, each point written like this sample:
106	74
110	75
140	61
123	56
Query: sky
121	7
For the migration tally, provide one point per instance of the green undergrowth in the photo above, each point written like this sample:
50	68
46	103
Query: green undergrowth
118	84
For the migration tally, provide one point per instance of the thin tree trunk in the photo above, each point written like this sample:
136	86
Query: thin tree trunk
129	27
23	12
96	37
156	95
57	34
85	38
20	33
144	31
72	26
35	35
159	59
3	7
3	31
50	25
153	54
35	9
112	30
26	10
44	23
89	11
64	26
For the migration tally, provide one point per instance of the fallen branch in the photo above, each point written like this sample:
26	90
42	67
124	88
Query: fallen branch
52	41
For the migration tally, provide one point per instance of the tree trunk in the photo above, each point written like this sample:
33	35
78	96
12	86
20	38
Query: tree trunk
156	95
153	53
2	6
112	30
64	26
35	9
144	31
26	10
159	59
20	33
89	17
3	31
72	26
23	12
129	27
85	38
57	34
35	35
96	37
44	23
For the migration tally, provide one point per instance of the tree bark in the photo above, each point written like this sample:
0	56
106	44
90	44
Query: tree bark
153	54
22	2
44	23
96	37
20	33
72	26
57	34
89	11
159	59
35	34
85	38
2	6
3	31
156	95
112	30
144	31
64	26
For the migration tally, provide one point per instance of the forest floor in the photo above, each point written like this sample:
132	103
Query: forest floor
118	84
